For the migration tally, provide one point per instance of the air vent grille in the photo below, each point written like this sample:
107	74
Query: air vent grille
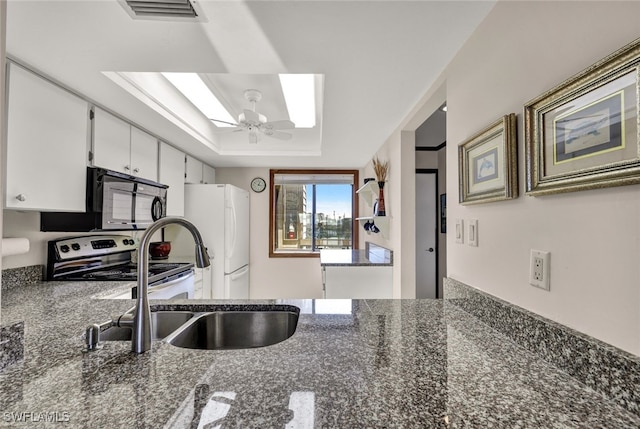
164	8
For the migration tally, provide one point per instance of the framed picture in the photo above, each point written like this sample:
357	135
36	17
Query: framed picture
583	134
488	163
443	213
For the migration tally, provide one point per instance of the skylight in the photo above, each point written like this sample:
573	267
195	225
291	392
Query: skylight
299	94
198	93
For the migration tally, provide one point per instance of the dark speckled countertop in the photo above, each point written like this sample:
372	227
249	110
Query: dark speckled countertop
350	364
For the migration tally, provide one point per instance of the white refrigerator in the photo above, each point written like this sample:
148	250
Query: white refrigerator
221	214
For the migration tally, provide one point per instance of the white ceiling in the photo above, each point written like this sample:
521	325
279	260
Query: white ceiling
378	59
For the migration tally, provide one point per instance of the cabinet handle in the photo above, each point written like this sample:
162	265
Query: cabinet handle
21	197
136	170
127	168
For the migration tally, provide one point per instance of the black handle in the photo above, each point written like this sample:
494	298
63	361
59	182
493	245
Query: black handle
430	249
157	209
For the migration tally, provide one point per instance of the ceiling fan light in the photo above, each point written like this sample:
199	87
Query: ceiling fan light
199	94
299	94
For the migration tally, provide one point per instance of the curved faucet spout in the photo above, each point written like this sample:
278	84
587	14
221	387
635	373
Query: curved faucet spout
141	336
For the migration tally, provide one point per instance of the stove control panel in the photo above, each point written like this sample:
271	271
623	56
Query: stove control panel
97	245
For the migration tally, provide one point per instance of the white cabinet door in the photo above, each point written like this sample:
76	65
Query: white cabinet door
111	142
193	170
208	174
144	155
47	145
358	282
172	174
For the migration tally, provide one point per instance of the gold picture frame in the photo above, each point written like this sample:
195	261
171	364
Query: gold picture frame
488	164
584	133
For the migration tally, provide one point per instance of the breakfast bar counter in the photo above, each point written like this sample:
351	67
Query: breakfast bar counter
350	364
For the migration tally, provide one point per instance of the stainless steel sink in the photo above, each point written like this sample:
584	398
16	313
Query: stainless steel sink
222	330
163	323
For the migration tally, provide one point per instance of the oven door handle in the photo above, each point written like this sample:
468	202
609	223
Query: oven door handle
162	286
128	223
170	283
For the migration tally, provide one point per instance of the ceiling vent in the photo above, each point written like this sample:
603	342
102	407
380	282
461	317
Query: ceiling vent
162	8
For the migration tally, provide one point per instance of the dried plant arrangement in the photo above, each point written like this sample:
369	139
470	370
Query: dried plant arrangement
381	169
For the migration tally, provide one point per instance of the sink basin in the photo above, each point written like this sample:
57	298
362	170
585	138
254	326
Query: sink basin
222	330
163	323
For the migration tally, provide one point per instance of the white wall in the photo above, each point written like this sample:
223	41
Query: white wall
521	50
271	277
399	151
26	224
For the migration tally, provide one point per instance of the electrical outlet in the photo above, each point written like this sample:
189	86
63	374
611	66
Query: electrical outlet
539	269
473	233
459	231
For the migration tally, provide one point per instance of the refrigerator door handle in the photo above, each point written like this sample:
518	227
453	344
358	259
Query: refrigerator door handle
241	272
232	241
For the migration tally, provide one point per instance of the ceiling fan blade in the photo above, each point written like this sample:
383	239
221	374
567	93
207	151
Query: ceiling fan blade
251	116
279	125
223	122
277	134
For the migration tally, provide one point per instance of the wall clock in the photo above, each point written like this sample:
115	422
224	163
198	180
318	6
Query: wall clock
258	184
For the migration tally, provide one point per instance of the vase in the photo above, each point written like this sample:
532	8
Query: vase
381	211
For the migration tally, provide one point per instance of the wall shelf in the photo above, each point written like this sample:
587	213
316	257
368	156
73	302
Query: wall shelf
369	193
382	222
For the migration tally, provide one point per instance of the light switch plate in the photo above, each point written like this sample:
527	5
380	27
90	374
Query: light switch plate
459	231
472	238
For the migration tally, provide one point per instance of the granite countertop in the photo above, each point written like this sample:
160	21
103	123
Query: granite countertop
350	364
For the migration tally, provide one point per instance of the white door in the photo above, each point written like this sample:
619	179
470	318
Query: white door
426	229
236	229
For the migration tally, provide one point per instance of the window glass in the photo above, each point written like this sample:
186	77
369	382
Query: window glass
312	211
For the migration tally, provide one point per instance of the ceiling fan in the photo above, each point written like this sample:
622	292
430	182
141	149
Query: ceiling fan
253	122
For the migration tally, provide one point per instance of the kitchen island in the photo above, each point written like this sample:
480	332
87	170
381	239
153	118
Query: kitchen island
357	274
350	364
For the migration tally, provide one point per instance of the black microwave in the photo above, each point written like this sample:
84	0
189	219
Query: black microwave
115	202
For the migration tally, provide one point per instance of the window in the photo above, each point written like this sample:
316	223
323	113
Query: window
312	210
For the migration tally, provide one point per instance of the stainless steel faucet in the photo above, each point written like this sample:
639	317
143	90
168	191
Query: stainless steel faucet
140	319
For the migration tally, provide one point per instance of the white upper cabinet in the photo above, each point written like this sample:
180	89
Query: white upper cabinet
172	174
193	170
208	174
121	147
111	142
198	172
47	145
144	154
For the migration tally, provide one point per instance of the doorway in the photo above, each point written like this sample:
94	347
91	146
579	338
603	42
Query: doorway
430	198
427	233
